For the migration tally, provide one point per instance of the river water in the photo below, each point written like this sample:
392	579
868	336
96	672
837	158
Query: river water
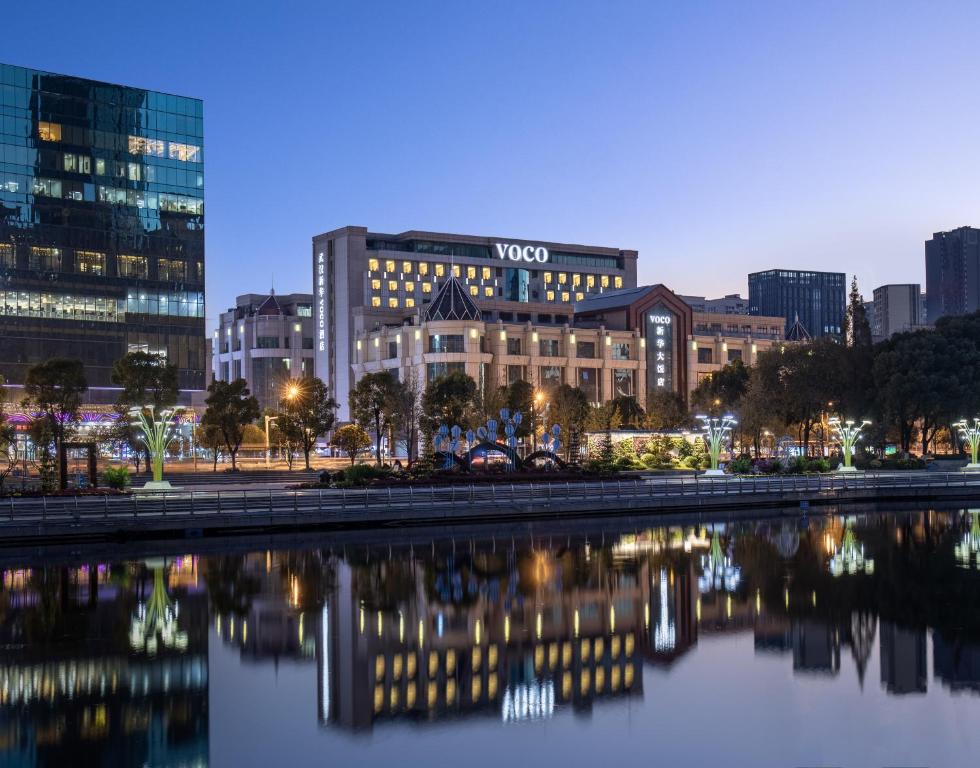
796	641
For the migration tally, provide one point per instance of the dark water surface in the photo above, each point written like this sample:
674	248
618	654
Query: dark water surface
820	641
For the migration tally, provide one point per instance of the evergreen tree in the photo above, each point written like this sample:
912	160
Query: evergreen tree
857	329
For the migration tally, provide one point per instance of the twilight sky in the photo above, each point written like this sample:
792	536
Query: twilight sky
715	138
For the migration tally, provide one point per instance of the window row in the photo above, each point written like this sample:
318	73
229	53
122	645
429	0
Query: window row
56	306
173	150
46	259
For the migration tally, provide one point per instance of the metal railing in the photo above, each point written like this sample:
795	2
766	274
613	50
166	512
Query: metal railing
441	500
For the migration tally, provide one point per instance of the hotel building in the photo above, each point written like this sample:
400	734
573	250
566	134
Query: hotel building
365	281
266	340
101	226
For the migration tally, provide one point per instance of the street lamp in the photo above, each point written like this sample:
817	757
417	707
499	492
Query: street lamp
971	435
158	431
848	433
716	429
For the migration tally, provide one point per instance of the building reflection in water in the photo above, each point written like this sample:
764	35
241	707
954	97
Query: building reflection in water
111	662
104	665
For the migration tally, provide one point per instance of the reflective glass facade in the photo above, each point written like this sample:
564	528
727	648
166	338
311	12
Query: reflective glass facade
815	298
101	225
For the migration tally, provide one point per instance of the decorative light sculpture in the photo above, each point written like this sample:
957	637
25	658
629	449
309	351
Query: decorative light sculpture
716	430
848	433
158	431
971	436
446	440
850	557
155	620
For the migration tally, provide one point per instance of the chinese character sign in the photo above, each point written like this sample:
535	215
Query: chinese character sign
660	348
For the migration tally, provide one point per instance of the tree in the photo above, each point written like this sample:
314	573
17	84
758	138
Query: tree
519	397
370	404
55	388
569	409
857	329
406	404
666	411
630	412
310	413
351	439
230	407
210	438
8	439
448	400
720	391
145	379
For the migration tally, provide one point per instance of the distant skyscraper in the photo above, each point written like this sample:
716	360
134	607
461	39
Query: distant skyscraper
730	304
895	308
953	273
101	226
814	299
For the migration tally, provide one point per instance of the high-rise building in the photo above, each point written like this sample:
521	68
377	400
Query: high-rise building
953	273
815	300
266	340
101	226
895	308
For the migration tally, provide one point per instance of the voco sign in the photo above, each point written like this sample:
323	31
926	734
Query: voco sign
660	319
529	253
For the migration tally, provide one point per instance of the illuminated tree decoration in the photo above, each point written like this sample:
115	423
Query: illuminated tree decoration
967	552
157	433
716	431
848	433
971	436
718	571
155	620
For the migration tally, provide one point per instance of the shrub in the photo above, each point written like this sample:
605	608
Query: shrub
116	477
816	465
361	474
742	465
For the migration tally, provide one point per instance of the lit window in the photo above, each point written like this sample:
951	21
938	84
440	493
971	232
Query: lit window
547	278
410	287
409	302
618	281
392	285
373	265
440	270
375	301
171	269
579	296
550	295
590	281
471	273
49	131
457	270
604	281
486	273
376	284
393	302
139	145
189	153
390	266
90	262
562	278
488	291
565	296
131	266
406	266
474	290
423	268
100	166
576	280
426	287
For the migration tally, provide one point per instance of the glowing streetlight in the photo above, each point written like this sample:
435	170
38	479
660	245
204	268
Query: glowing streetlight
158	431
971	436
848	433
292	391
715	430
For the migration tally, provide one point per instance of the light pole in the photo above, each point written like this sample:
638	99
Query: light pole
716	429
268	444
848	433
971	435
158	433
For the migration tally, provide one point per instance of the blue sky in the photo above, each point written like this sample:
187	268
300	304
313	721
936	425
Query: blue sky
715	138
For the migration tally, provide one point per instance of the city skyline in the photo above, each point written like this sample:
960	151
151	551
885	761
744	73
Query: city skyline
785	138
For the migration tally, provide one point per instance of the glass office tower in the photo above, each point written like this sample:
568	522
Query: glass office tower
101	225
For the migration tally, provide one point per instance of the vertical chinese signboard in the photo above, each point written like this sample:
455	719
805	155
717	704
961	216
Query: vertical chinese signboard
661	355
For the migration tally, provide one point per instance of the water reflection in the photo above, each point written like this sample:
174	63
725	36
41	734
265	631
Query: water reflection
107	663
